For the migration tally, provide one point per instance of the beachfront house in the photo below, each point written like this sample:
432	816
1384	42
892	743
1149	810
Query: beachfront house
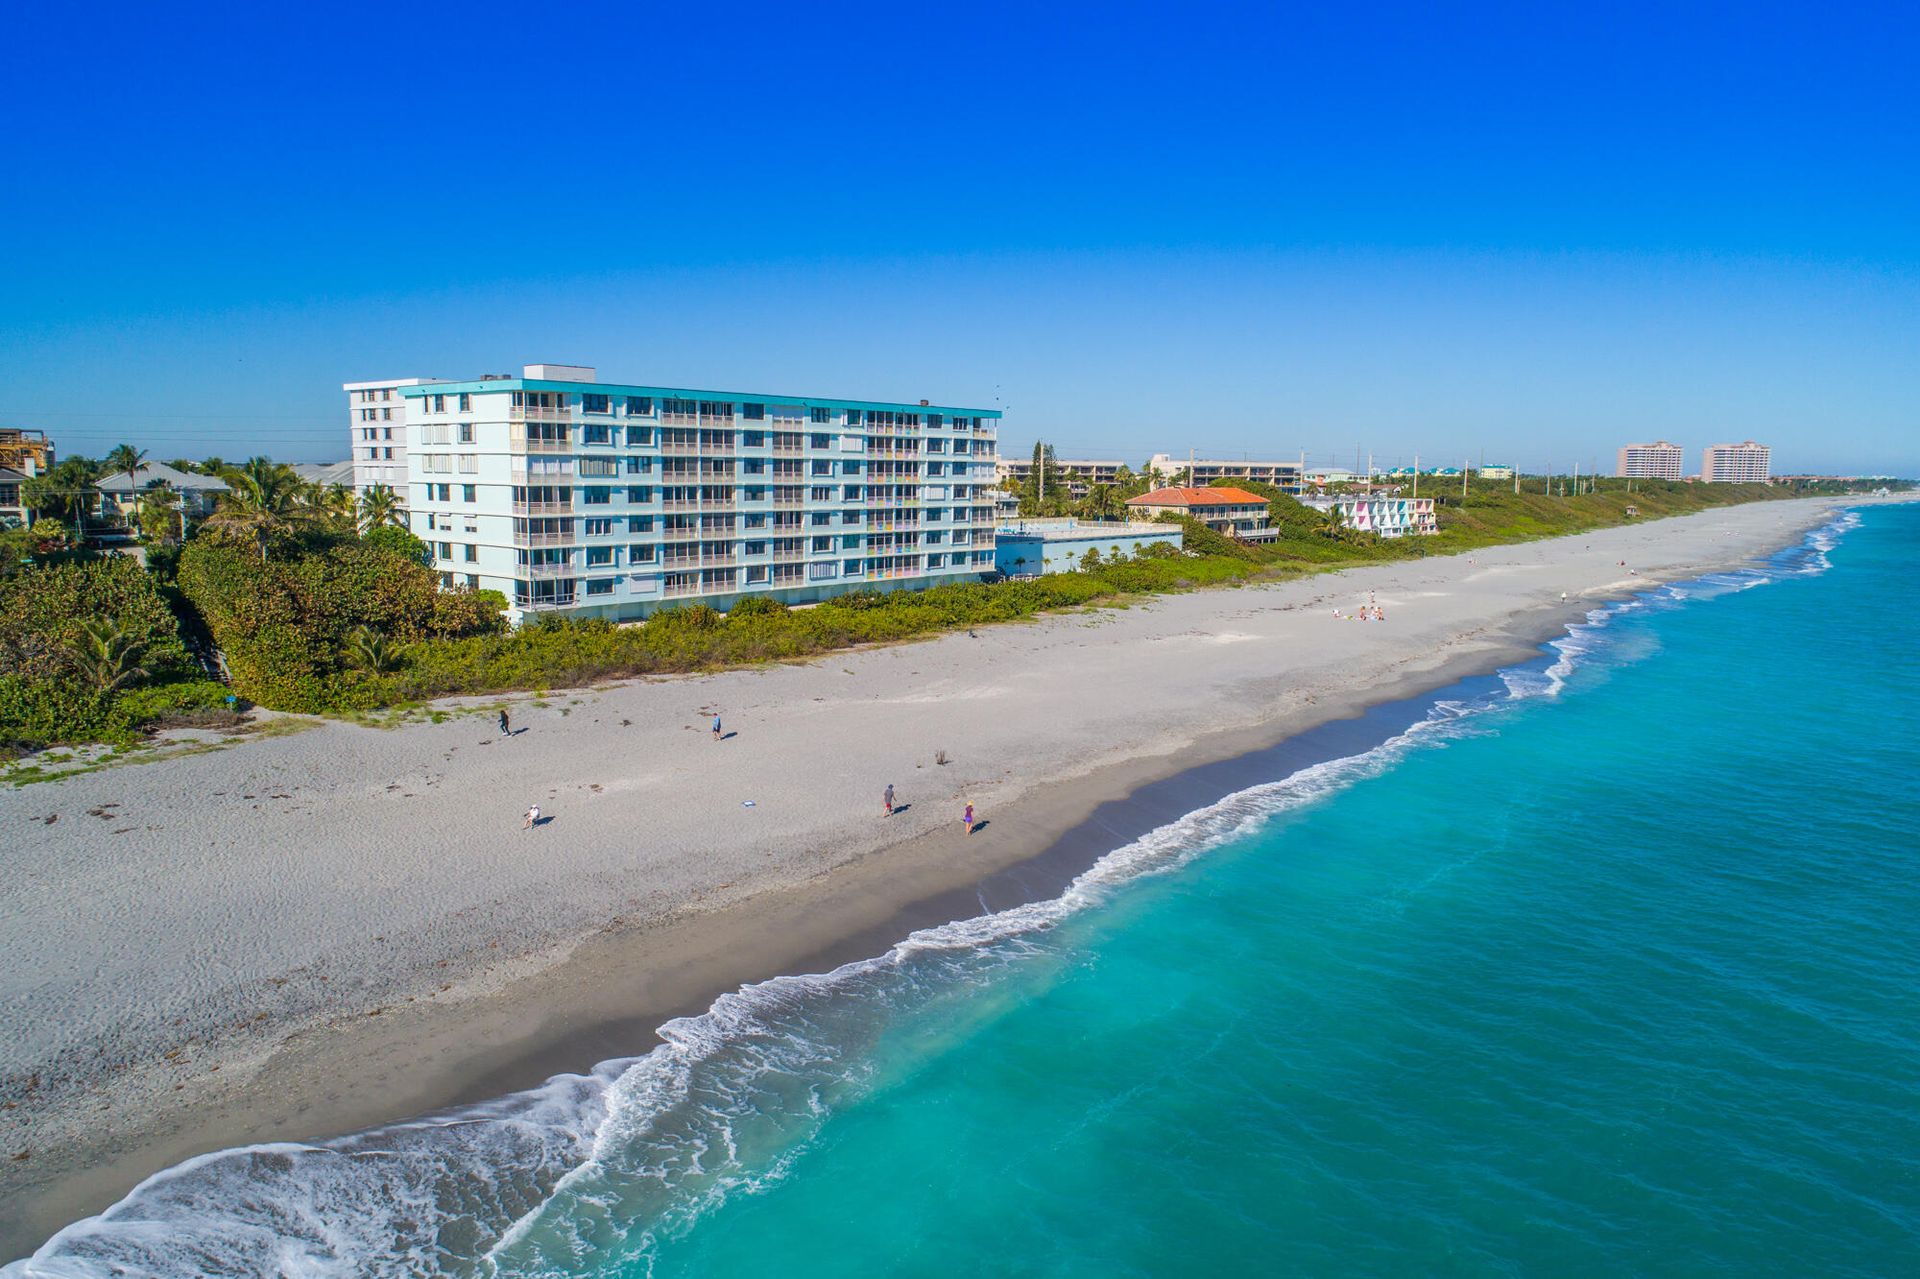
614	500
1234	512
1384	514
1028	548
120	493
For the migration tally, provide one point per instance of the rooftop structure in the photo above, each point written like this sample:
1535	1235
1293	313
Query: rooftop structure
13	512
614	500
327	474
120	494
1747	463
25	451
1494	471
1658	461
1025	548
1234	512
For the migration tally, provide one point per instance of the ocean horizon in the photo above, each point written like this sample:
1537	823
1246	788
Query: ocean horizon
1601	967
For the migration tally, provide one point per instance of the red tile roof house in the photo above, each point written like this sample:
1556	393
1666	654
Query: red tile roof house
1234	512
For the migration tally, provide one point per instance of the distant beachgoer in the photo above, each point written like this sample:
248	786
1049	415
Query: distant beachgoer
716	728
889	798
503	725
966	819
533	817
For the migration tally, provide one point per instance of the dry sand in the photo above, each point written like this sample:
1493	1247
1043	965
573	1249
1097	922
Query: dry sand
312	933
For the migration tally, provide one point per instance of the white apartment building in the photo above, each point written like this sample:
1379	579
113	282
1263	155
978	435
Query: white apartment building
1657	461
1747	463
604	500
377	427
1074	476
1284	474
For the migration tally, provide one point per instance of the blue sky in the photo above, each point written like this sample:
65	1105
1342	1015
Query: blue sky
1513	230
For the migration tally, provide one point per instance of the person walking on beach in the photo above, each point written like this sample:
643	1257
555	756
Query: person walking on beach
966	818
716	728
533	817
889	798
503	723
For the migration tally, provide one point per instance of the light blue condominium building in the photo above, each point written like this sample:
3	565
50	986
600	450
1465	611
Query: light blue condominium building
564	492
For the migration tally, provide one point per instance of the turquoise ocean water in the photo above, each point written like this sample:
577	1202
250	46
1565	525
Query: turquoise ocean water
1605	968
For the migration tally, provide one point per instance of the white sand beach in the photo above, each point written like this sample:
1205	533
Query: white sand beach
318	931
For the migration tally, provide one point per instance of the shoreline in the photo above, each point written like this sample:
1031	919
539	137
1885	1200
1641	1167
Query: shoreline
602	997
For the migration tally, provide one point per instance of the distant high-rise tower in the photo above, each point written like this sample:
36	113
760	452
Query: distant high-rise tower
1661	461
1747	463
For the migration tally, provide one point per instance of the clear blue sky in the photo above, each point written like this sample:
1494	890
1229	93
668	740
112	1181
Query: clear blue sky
1534	231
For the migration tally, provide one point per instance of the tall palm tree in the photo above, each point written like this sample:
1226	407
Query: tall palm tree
263	503
1102	502
124	460
107	656
64	493
1334	524
380	506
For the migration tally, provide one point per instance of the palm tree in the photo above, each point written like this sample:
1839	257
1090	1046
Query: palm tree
380	506
1334	523
1102	503
124	460
263	503
107	656
370	651
63	493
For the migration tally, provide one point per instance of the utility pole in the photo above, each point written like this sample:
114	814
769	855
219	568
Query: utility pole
1464	464
1416	475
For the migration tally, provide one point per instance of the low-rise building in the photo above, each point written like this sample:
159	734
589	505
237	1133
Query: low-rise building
327	474
1282	474
1657	461
1494	471
1234	512
120	494
1747	463
1024	548
1387	515
1074	475
24	453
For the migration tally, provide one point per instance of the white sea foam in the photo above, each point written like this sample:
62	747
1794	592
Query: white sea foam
609	1163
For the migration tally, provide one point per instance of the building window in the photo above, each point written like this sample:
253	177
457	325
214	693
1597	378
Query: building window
639	466
386	415
640	523
596	494
466	430
469	493
470	553
596	404
599	586
639	437
639	406
754	412
598	527
446	550
640	555
443	492
599	556
826	415
386	455
466	402
473	581
639	493
596	433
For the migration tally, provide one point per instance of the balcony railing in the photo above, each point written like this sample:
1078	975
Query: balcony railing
543	508
539	572
530	414
521	442
543	539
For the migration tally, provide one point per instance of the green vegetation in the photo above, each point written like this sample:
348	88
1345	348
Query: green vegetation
319	604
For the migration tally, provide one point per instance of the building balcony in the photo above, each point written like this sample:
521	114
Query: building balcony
539	415
543	508
543	539
521	442
542	572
